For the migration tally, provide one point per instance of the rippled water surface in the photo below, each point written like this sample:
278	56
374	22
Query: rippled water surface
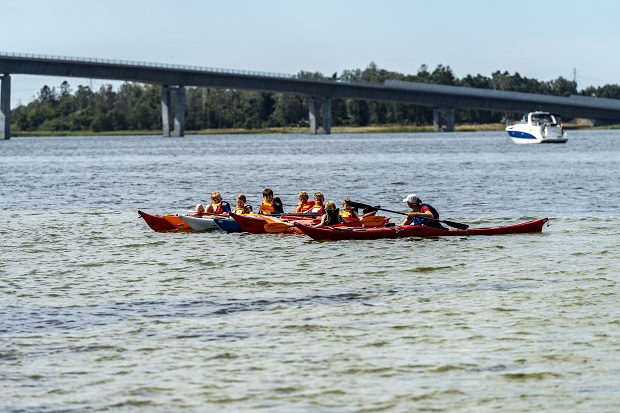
99	313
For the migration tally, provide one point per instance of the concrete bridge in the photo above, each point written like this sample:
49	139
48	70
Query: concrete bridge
174	78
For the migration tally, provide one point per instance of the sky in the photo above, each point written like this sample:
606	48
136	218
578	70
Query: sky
541	40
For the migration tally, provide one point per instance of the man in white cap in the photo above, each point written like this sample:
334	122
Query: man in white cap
420	210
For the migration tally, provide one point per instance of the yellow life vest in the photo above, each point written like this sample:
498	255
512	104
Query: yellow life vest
266	208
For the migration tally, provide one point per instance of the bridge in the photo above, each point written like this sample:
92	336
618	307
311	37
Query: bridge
319	92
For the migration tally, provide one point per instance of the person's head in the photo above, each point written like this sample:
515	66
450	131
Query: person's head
346	204
241	200
303	197
268	194
413	201
319	198
331	205
216	197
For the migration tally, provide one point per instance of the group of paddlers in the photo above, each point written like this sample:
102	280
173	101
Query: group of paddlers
330	214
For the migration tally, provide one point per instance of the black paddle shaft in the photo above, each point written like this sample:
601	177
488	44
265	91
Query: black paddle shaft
378	208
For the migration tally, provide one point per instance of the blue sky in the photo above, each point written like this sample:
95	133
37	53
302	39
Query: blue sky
537	39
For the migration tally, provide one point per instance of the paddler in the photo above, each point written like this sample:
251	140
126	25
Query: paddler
270	205
319	206
347	211
420	211
242	208
217	207
304	205
331	215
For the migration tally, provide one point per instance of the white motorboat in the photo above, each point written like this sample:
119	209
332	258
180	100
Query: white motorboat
538	127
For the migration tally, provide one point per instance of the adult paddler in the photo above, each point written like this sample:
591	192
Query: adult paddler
420	211
270	205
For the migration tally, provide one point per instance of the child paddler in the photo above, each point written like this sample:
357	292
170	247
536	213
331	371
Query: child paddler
242	208
331	215
319	206
347	211
217	207
270	205
304	205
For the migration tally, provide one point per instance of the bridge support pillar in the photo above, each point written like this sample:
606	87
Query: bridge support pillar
438	121
312	116
326	112
326	115
179	112
166	109
450	120
173	121
5	107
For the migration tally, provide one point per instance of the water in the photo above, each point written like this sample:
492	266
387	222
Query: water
99	313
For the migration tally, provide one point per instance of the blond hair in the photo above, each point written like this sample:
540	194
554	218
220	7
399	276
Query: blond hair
303	193
330	205
214	195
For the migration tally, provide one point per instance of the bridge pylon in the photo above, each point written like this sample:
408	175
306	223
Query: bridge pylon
5	107
173	119
325	116
438	122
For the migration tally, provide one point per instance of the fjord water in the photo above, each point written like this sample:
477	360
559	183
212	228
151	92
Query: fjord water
99	313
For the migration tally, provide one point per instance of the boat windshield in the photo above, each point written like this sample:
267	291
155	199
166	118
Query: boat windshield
543	119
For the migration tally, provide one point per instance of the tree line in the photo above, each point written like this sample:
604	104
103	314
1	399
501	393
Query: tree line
137	107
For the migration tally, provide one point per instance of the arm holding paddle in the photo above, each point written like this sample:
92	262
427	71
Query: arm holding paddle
418	210
378	208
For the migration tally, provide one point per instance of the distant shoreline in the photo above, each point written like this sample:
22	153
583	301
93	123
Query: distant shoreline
301	130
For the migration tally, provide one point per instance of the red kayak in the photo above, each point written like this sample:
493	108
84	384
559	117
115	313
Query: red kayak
165	223
255	224
337	234
262	224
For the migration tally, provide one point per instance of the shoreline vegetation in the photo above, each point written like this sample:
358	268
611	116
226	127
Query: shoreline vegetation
135	109
302	130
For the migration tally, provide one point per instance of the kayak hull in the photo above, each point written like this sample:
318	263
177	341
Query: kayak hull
228	224
255	224
165	223
178	223
200	224
338	234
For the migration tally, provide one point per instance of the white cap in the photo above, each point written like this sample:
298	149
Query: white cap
413	198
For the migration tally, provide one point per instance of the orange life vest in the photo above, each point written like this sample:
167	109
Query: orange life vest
303	208
266	208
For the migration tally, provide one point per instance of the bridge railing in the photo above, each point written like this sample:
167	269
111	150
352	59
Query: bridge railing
144	64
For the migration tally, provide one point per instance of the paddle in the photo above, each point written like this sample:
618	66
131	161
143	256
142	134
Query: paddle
277	227
372	221
378	208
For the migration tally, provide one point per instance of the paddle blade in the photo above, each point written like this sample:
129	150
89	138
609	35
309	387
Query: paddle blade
455	224
373	221
277	227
